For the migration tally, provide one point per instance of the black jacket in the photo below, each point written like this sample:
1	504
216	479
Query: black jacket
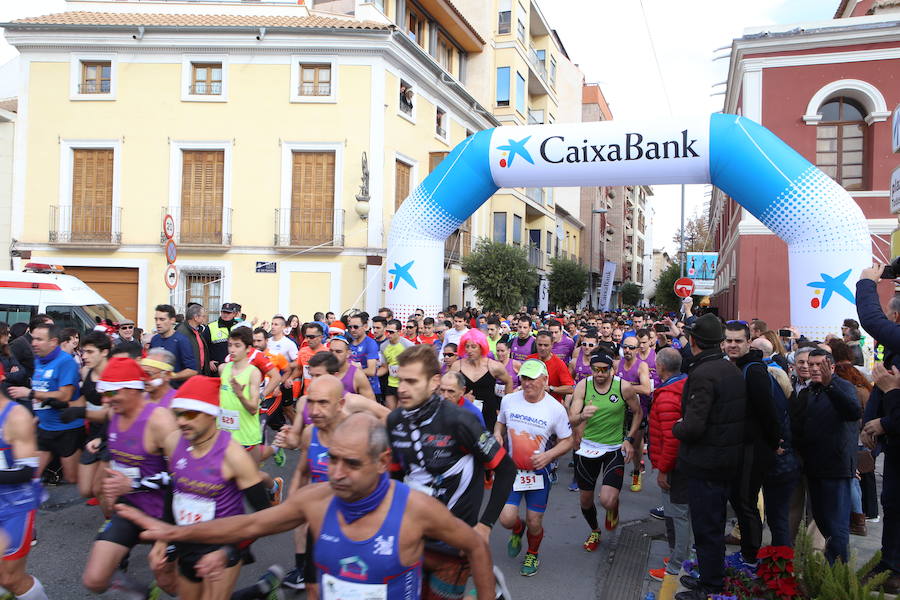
712	427
761	427
196	341
826	429
21	349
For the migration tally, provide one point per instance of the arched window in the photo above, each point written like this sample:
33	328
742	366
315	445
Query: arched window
840	137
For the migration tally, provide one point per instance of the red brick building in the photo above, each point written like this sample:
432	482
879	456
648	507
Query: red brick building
827	89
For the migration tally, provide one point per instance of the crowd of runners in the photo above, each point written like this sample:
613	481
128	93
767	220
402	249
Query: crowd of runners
417	436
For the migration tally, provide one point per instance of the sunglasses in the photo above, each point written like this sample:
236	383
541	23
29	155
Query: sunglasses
188	415
109	394
410	326
126	327
587	345
390	331
601	369
629	347
354	326
449	354
313	336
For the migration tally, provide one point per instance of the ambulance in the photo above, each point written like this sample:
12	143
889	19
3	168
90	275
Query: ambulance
44	288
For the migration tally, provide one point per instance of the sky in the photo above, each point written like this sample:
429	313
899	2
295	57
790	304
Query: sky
613	44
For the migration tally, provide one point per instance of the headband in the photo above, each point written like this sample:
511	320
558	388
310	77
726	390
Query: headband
162	366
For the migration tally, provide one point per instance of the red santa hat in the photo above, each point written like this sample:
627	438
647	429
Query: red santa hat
199	393
121	372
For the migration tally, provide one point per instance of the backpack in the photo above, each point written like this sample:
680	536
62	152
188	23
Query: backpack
786	462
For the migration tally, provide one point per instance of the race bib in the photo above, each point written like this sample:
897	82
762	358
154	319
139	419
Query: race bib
190	509
412	483
527	481
129	472
306	372
589	449
229	420
338	589
500	389
479	404
393	370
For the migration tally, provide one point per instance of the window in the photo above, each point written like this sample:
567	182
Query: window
406	98
520	93
440	126
312	198
540	56
92	193
840	138
445	53
315	80
549	242
552	71
503	86
16	313
402	180
205	288
206	79
415	26
434	159
517	230
202	191
500	227
343	7
535	117
96	77
504	19
520	24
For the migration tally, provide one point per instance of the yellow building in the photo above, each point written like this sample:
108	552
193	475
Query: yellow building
280	137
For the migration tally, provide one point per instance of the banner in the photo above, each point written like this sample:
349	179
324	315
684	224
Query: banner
606	284
701	267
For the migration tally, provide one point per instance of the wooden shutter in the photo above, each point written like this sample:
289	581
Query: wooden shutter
92	185
434	159
402	179
312	198
202	190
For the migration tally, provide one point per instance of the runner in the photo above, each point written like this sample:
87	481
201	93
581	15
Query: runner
559	380
637	373
523	345
449	357
512	367
526	421
364	351
136	435
371	507
481	375
647	355
391	349
599	403
158	366
453	390
94	459
314	338
579	366
20	496
442	450
353	378
563	345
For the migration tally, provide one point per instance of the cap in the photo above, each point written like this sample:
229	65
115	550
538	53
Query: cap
199	393
707	328
532	369
121	372
126	322
231	307
601	358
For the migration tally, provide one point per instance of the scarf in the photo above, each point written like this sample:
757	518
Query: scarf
416	416
352	511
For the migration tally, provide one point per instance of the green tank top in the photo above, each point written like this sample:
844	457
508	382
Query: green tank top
233	417
605	427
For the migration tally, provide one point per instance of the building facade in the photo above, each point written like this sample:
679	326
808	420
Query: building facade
827	90
8	110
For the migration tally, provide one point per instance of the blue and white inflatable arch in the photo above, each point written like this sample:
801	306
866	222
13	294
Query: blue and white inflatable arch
826	233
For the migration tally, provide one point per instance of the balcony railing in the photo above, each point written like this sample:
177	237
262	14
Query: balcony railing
457	246
85	225
536	195
535	257
304	227
535	117
200	225
203	88
94	87
315	89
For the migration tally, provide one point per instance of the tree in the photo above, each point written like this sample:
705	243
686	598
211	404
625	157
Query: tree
568	281
631	293
501	275
696	232
665	288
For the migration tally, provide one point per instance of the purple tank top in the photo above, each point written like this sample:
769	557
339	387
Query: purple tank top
629	375
650	361
582	369
201	493
128	455
520	351
499	388
166	401
347	379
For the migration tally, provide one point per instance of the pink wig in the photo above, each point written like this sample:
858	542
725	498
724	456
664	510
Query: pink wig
473	335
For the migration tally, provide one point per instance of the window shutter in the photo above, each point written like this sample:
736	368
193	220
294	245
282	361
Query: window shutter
401	188
312	198
92	181
202	192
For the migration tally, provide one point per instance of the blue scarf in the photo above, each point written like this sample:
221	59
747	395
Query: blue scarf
355	510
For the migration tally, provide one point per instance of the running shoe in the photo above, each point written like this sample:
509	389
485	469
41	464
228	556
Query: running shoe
636	478
530	565
658	513
279	457
7	596
154	592
657	574
294	580
501	592
269	584
514	545
612	519
93	502
128	589
573	487
592	542
277	491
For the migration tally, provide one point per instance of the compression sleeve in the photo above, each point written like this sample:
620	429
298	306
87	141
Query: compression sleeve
504	476
22	471
257	496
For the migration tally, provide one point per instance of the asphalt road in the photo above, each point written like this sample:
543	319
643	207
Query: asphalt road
66	528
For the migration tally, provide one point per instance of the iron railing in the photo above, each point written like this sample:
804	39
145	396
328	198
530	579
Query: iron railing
85	224
303	227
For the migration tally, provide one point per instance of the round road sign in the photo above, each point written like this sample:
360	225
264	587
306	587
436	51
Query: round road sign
171	251
684	287
169	227
171	277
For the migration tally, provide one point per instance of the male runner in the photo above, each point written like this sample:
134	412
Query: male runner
315	338
493	334
523	345
371	507
353	377
391	349
563	345
637	373
646	354
428	336
526	421
559	380
364	351
158	366
441	450
20	497
453	390
453	335
135	438
599	404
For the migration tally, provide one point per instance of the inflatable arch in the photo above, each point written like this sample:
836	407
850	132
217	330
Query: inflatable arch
826	233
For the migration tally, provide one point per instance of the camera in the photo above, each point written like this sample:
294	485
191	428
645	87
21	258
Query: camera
661	328
891	271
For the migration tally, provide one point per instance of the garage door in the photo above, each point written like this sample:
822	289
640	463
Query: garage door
118	285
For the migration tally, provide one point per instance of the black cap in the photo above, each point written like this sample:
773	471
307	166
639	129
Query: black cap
601	358
231	307
707	328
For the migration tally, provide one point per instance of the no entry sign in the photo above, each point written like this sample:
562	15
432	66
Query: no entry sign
684	287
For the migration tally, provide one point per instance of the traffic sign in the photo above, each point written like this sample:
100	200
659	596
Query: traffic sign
169	227
684	287
171	251
171	277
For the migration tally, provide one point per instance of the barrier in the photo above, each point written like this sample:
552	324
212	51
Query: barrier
826	233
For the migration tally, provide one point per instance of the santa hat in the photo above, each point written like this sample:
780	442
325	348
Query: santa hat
199	393
121	372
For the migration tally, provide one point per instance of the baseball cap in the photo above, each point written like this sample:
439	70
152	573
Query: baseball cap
601	358
532	369
230	307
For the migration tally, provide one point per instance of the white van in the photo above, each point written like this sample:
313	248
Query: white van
43	288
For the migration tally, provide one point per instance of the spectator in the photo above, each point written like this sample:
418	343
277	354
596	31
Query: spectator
20	347
192	329
128	341
14	372
757	328
176	343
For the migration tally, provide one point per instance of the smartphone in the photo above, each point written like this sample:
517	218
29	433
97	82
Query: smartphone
888	272
661	328
785	333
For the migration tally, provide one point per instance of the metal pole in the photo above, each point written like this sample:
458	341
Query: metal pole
591	266
681	241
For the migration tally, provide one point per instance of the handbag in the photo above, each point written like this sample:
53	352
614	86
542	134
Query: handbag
865	462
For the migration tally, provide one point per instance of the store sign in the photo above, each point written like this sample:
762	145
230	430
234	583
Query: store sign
266	266
895	191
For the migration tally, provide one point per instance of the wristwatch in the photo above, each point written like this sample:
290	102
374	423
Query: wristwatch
629	439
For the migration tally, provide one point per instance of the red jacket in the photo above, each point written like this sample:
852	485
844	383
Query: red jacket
664	412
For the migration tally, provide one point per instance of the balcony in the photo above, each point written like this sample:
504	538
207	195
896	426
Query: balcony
535	257
200	227
457	246
94	87
85	226
314	89
320	227
536	195
538	82
203	88
535	117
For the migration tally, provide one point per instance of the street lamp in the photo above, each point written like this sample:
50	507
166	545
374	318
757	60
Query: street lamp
596	211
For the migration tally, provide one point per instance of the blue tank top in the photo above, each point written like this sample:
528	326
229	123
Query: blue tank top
317	458
15	498
347	567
